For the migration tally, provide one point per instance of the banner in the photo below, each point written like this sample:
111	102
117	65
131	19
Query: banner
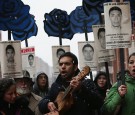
104	55
57	51
87	54
117	24
28	61
11	61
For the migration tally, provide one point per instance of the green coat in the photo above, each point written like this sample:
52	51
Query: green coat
113	99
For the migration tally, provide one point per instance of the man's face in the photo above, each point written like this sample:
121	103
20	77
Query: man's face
23	86
88	53
31	60
102	39
10	55
115	17
66	67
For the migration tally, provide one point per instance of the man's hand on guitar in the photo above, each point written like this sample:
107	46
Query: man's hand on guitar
52	107
75	83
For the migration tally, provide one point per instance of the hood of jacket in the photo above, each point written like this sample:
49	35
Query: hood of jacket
36	86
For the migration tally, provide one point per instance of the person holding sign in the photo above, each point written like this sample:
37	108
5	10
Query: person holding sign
124	95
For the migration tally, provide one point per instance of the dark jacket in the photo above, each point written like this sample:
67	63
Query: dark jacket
86	100
20	107
102	90
8	109
108	85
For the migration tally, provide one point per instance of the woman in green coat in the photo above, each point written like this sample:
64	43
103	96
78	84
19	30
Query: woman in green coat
122	98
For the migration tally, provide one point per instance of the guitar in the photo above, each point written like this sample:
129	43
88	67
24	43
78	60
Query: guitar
64	99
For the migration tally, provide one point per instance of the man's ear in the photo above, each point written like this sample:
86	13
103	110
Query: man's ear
76	67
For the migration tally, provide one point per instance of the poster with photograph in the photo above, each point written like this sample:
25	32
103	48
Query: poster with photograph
117	24
28	61
57	51
104	55
87	54
11	60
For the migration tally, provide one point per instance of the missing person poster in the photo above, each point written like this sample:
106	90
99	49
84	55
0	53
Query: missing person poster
11	61
28	61
117	24
104	55
87	54
57	51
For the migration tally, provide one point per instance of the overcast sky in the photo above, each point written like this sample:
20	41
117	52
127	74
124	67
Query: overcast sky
43	44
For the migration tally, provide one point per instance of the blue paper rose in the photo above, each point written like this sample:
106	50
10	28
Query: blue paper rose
57	23
78	18
90	5
9	9
30	30
14	16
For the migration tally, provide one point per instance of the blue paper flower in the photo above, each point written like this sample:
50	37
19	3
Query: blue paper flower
90	5
78	18
57	23
30	30
15	17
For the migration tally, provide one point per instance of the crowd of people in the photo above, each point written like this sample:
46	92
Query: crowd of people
68	95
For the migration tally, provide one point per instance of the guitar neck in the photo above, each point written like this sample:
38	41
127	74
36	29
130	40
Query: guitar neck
67	91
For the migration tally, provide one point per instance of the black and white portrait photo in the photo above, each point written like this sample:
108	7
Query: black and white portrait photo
28	60
104	55
11	60
87	54
57	51
118	24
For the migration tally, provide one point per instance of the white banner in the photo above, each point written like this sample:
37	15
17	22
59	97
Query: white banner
104	55
117	24
28	61
11	61
57	51
87	54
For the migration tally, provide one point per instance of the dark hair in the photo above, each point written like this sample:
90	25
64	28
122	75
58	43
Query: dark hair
115	8
5	84
46	77
98	75
71	55
60	49
133	54
30	56
100	30
87	45
10	47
